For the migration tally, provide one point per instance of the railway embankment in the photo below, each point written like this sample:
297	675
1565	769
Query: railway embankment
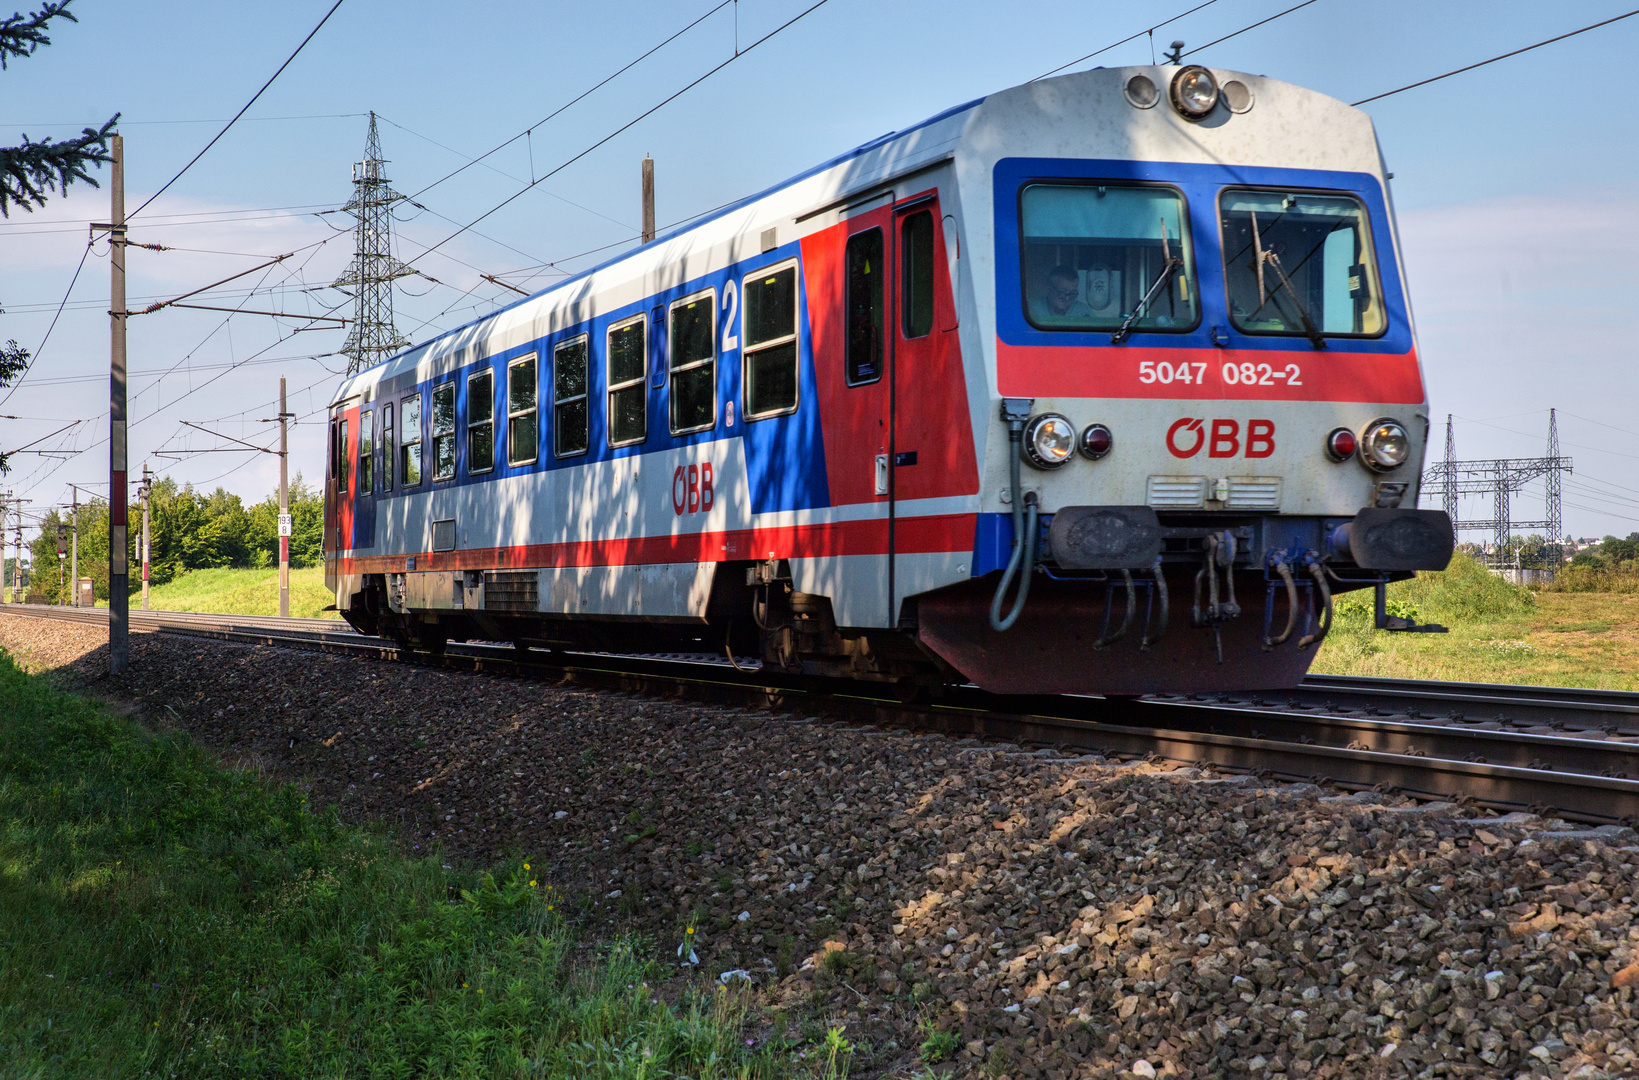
1045	915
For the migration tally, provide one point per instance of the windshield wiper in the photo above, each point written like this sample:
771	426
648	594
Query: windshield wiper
1173	264
1261	256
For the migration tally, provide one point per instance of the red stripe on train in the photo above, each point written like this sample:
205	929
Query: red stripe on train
912	536
1213	374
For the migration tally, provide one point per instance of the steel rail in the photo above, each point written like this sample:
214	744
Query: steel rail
1585	779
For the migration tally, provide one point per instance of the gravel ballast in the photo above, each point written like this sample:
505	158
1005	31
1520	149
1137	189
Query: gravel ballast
1059	916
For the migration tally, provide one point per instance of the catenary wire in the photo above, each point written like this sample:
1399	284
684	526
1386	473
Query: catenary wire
1125	40
581	97
1494	59
629	124
241	112
41	347
1244	29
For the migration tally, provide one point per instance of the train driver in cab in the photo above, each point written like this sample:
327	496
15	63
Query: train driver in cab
1061	300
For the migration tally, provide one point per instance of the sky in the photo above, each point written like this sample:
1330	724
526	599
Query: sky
1516	186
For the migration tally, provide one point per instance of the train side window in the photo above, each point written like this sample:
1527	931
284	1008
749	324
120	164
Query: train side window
693	341
341	457
770	345
444	431
571	416
387	447
523	426
480	422
916	273
864	285
1104	256
409	440
367	452
628	385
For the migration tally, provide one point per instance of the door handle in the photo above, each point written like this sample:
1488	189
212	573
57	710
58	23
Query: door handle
882	474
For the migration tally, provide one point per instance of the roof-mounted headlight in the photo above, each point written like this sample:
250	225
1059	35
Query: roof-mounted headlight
1049	440
1386	445
1194	92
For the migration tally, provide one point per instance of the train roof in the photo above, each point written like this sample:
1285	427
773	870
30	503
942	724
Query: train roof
932	141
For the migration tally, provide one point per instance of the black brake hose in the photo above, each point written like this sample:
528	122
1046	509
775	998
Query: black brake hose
1024	539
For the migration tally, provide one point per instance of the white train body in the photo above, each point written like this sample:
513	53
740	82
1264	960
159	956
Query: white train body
783	426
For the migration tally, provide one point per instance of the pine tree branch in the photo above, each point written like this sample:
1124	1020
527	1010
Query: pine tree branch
28	172
21	34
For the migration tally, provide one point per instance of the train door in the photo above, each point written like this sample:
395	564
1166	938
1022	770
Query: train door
929	429
338	492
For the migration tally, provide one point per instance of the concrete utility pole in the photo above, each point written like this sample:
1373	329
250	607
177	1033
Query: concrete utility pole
119	581
74	539
284	504
147	486
648	198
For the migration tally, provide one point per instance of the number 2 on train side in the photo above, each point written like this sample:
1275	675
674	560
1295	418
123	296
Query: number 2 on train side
1164	371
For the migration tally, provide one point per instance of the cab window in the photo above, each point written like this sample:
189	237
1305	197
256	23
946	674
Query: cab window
1299	263
1096	255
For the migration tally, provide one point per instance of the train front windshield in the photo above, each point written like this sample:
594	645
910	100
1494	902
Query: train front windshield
1288	256
1093	252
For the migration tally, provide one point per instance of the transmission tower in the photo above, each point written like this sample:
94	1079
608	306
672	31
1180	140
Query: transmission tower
1502	478
370	275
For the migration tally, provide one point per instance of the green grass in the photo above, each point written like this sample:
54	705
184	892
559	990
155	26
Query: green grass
241	592
1498	633
161	916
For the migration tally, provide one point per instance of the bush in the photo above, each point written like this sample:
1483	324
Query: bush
1595	579
1464	592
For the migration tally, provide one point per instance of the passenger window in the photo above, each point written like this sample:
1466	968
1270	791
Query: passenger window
570	414
367	453
628	384
341	457
409	440
444	431
1094	254
480	422
916	273
864	348
770	346
523	437
387	447
693	364
1296	256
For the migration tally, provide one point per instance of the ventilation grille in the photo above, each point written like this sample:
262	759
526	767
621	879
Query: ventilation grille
444	535
1176	492
512	590
1253	493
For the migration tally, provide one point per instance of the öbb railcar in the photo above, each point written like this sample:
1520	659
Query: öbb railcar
1106	383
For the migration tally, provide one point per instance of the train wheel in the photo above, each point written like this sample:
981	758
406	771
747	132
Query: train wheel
433	640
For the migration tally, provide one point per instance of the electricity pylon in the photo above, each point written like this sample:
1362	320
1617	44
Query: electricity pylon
370	275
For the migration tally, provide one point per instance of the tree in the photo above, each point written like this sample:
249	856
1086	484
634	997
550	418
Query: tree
30	171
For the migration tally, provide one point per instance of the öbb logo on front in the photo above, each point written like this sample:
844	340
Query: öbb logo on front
1222	439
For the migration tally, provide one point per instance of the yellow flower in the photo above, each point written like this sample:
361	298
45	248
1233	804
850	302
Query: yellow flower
463	986
549	907
480	989
526	866
691	929
532	883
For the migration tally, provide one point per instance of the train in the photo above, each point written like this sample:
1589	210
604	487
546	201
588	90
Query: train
1107	383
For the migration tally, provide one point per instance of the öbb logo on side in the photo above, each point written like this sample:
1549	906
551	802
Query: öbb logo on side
692	489
1187	437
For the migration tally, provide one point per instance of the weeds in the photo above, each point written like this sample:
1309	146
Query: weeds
938	1046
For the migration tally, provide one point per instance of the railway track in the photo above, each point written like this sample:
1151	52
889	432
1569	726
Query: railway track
1572	752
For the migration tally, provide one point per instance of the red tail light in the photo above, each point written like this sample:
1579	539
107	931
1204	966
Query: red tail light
1341	444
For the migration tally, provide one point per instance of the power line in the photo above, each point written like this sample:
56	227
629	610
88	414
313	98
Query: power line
241	112
36	356
1244	29
1494	59
631	123
1123	41
584	95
